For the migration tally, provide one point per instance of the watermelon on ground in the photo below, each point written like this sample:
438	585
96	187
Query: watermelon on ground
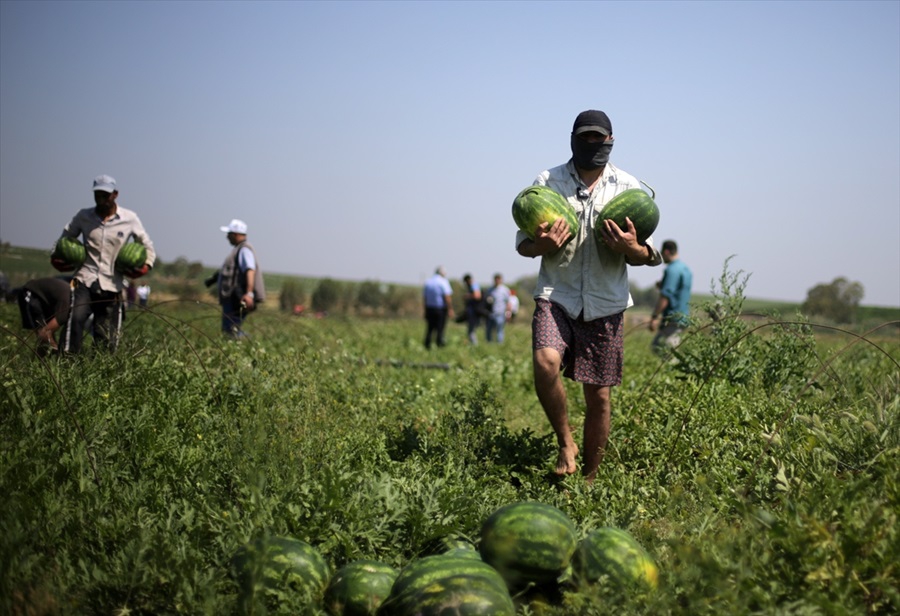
459	595
538	204
448	584
615	554
359	588
635	204
279	564
69	250
131	256
528	542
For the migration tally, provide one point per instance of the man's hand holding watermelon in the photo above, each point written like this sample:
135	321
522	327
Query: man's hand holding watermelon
550	238
137	272
625	241
61	265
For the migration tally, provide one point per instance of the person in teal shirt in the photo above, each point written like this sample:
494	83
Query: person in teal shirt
672	312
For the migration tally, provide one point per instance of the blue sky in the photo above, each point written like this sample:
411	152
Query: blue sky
376	140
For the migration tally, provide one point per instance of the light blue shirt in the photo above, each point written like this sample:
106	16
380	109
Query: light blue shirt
499	296
246	259
436	288
676	287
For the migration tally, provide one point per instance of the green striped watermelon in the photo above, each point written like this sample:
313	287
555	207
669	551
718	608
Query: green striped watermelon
528	542
132	255
539	204
636	205
448	584
69	250
359	588
614	553
271	565
453	545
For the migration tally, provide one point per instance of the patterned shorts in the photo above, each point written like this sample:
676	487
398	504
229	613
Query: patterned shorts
591	351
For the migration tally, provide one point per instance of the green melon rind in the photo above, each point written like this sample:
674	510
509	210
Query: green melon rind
528	542
280	563
538	204
458	594
635	204
614	553
359	588
70	250
132	255
430	570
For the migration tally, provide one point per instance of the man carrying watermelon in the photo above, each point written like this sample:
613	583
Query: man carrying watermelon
98	282
241	285
582	290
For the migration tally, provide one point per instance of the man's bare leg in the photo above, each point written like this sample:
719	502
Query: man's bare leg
596	428
552	396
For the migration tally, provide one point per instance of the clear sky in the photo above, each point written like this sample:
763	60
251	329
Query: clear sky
377	140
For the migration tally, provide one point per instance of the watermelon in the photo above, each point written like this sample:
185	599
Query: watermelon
458	595
69	250
614	553
539	204
272	565
636	205
528	542
453	544
359	588
448	584
131	256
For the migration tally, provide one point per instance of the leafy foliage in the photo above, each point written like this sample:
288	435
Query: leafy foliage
759	469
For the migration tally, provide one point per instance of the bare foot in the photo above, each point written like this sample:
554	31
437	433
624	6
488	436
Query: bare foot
565	462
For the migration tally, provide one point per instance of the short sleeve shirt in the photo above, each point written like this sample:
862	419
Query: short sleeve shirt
584	277
676	287
436	288
246	259
500	296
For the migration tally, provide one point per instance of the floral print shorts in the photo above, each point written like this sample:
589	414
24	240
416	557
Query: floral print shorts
591	351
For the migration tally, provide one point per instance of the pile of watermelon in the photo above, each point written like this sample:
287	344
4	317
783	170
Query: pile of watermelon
526	550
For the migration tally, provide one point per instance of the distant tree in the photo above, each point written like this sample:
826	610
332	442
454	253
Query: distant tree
403	301
326	296
195	270
837	301
370	295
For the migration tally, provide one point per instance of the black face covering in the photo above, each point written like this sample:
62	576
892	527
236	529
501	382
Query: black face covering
590	155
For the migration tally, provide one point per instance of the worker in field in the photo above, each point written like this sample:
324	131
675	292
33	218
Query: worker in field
44	305
582	292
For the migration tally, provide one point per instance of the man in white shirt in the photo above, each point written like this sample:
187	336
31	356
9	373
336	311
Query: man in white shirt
98	284
240	280
582	292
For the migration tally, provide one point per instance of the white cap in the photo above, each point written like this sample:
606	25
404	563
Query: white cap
105	183
235	226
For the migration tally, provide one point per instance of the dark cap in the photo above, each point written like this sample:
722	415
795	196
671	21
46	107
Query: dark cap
592	121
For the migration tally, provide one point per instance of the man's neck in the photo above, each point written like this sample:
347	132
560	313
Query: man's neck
106	212
590	177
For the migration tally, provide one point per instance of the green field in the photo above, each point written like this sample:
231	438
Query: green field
760	471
